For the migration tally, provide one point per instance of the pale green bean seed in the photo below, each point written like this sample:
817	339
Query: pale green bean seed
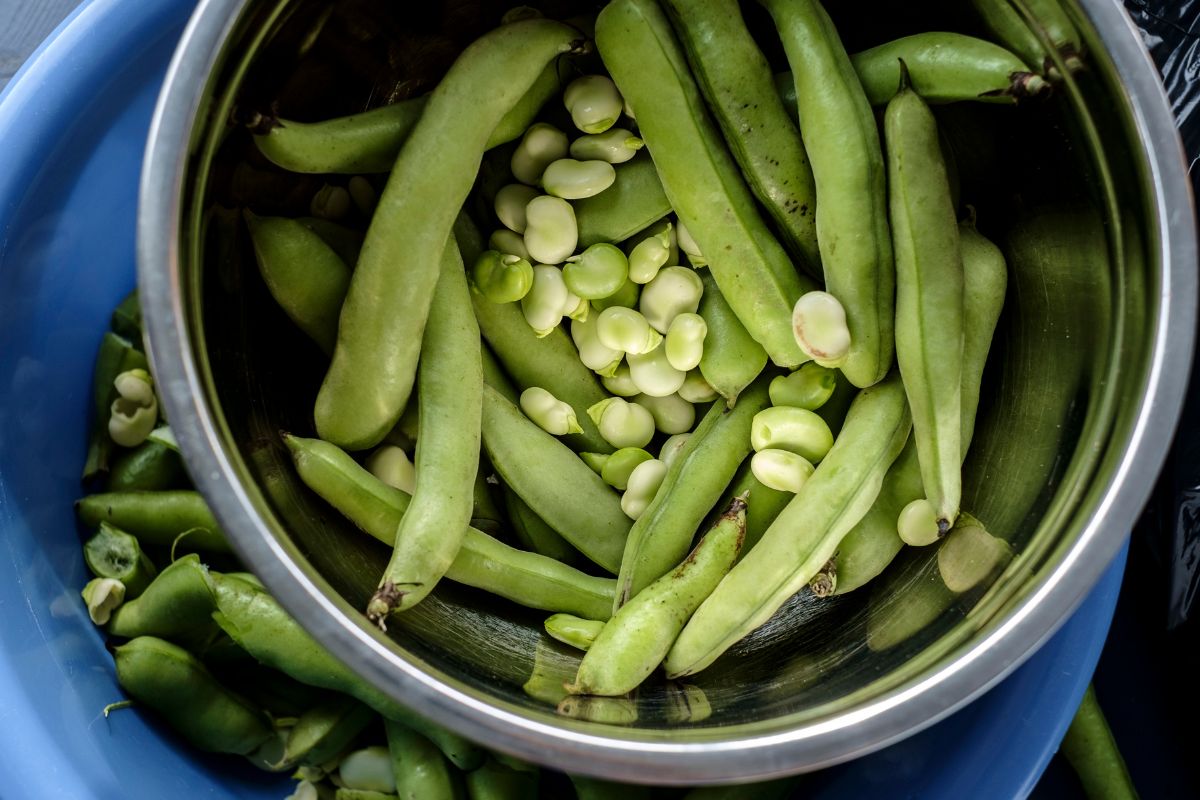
644	483
672	414
685	341
616	146
672	447
918	524
575	307
621	382
363	194
543	304
819	323
305	790
540	145
575	180
797	430
551	414
134	414
550	229
509	243
599	271
621	465
809	387
626	330
662	227
103	596
595	460
593	102
621	423
626	296
697	390
369	769
501	278
649	256
674	291
688	245
391	465
780	470
330	202
653	373
594	354
510	205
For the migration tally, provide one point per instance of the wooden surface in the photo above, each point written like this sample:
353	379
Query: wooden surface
23	26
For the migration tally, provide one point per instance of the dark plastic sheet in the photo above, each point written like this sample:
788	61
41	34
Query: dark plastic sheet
1171	31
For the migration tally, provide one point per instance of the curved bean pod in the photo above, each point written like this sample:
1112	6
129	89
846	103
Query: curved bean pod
1010	27
370	141
451	399
324	731
873	543
534	534
258	624
573	631
420	770
525	578
699	176
551	362
929	297
842	140
731	359
495	781
736	81
151	466
805	535
371	376
554	482
173	682
636	639
695	480
177	605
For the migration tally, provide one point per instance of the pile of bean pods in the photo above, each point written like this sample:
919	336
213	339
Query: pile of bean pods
722	343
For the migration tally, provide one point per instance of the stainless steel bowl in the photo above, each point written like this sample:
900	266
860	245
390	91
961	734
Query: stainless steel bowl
1066	454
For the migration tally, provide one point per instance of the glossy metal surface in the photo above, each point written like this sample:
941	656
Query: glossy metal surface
1063	465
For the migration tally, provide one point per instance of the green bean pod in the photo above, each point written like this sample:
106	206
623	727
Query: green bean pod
113	553
735	79
929	297
534	534
635	640
695	480
171	681
483	562
1091	750
324	731
451	399
371	141
421	771
870	547
495	781
116	355
126	320
763	504
150	466
1009	25
254	620
805	535
731	359
573	631
699	176
596	789
156	518
554	482
551	362
346	242
375	362
633	203
176	605
945	68
842	141
765	790
343	793
304	275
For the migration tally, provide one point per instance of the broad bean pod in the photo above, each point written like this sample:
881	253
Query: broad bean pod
633	203
842	141
699	176
525	578
806	533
